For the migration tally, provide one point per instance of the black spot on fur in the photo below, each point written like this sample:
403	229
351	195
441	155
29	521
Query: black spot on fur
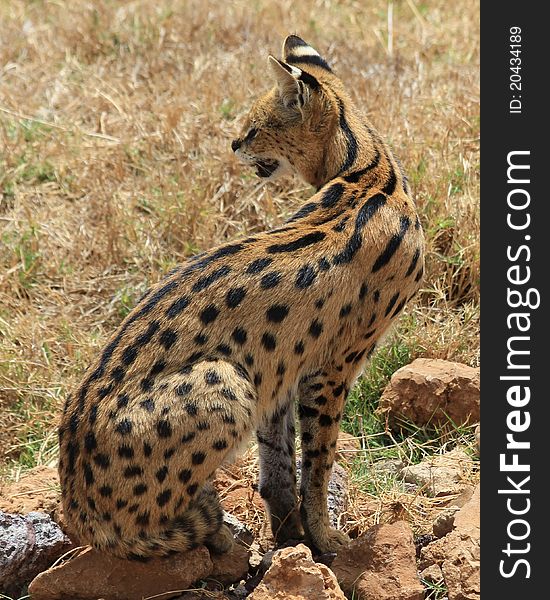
106	491
161	474
306	412
258	265
178	306
118	374
125	451
184	475
207	280
148	404
306	276
220	445
212	378
345	310
239	335
200	339
157	368
139	489
183	389
146	384
277	313
316	328
164	497
325	420
124	427
168	338
164	429
324	264
90	443
209	314
129	355
269	342
270	280
235	296
133	471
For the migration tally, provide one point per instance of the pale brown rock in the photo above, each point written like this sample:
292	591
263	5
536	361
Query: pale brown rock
432	574
230	567
445	521
433	391
294	576
458	553
347	447
37	490
91	575
442	474
467	518
380	565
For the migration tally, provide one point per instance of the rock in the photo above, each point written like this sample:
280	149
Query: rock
294	576
458	553
442	474
389	466
347	447
338	497
432	574
230	567
240	531
445	522
92	574
36	490
467	518
380	565
28	545
432	391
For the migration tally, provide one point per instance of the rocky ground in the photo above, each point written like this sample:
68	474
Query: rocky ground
424	544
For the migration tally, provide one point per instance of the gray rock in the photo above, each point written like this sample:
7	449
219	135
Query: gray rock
29	544
238	529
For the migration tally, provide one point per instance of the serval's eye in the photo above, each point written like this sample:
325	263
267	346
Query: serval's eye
251	134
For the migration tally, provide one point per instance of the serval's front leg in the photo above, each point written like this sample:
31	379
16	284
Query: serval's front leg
322	399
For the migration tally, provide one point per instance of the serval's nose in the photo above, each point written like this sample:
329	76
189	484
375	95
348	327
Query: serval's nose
235	145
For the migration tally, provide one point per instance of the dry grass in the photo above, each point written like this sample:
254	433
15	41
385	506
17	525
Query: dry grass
115	123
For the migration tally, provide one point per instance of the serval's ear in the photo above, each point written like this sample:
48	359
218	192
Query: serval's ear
296	51
294	92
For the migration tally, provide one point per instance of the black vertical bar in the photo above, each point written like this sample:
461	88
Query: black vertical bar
515	271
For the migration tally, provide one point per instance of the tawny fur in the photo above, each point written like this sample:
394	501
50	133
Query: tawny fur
227	343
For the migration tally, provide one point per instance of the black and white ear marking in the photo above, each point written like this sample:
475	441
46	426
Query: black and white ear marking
296	51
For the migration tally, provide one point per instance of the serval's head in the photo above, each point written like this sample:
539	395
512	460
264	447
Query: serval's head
289	128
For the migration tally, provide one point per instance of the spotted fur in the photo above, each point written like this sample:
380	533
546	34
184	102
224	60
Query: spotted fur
228	342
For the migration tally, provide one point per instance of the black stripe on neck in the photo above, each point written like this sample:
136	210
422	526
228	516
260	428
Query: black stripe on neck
351	154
